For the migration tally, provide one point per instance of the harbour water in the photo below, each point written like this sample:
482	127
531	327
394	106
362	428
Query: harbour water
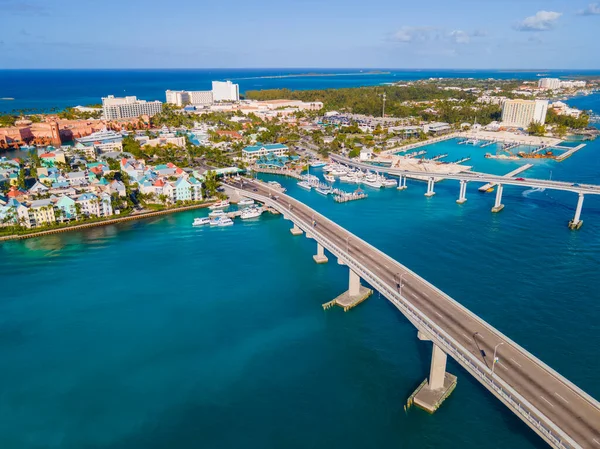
42	90
155	334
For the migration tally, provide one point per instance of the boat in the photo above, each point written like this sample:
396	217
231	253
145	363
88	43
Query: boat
219	205
388	182
251	212
372	183
221	221
490	189
329	178
245	202
323	191
217	213
276	185
201	221
317	164
305	185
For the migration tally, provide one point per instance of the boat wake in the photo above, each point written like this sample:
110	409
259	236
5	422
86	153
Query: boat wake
528	192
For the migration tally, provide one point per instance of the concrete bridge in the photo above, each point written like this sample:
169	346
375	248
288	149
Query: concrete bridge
557	410
496	180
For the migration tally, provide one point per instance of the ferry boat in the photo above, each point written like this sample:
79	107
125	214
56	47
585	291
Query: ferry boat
329	178
219	205
217	213
245	202
323	191
251	212
201	221
221	221
305	185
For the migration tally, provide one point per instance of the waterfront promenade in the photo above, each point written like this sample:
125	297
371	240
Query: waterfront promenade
557	410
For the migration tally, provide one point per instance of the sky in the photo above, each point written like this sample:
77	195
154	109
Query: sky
500	34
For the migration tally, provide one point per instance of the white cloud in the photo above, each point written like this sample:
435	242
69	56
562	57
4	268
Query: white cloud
460	37
541	21
414	34
593	9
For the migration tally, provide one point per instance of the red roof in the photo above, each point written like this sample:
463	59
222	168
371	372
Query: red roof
170	165
179	171
47	155
13	192
123	161
159	183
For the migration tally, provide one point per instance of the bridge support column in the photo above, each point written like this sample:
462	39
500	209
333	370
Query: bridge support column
296	230
576	222
355	294
320	257
462	196
498	206
402	183
434	390
430	184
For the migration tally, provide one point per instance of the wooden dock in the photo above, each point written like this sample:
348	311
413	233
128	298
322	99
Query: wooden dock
511	174
347	302
568	153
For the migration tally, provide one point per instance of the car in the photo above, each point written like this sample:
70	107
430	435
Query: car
520	179
575	185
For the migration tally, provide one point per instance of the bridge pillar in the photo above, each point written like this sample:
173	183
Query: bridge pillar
498	206
296	230
462	196
402	183
434	390
354	283
320	257
430	184
355	294
576	222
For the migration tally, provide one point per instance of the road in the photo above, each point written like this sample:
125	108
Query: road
477	177
547	395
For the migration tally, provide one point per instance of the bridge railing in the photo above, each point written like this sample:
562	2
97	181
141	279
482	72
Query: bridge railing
511	397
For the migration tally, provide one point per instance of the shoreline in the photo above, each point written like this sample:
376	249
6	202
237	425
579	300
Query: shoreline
103	222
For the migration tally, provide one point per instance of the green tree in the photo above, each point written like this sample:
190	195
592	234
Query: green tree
211	183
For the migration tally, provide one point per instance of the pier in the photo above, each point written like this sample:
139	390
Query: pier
570	152
488	143
511	174
525	385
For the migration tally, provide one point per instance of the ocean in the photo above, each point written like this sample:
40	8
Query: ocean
156	334
43	90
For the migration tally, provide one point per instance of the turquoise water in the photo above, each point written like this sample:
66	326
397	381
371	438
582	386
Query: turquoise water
155	334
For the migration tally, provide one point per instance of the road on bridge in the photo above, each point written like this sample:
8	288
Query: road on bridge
570	409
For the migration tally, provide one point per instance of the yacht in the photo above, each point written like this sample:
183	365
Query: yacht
338	171
329	178
221	221
245	202
219	205
310	178
251	212
317	164
201	221
372	181
323	191
276	185
217	213
305	185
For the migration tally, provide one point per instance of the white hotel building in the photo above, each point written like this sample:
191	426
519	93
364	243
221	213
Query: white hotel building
127	107
520	113
225	91
193	97
549	83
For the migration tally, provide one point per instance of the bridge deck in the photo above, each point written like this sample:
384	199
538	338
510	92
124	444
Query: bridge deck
515	172
556	409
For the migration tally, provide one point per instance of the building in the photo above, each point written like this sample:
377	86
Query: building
127	107
561	108
549	83
572	84
521	113
225	91
201	97
264	150
437	128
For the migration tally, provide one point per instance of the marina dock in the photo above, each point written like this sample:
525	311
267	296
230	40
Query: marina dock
511	174
569	152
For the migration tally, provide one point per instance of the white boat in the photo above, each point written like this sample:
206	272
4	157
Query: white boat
276	185
251	212
338	171
372	181
310	178
217	213
219	205
388	182
317	164
201	221
329	178
305	185
245	202
323	191
221	221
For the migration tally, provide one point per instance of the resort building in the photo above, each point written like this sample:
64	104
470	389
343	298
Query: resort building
225	91
127	107
184	97
549	83
521	113
260	150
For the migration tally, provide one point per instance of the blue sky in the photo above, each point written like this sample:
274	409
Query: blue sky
299	33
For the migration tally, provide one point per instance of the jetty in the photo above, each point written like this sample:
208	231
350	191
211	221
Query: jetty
460	161
570	152
344	197
511	174
488	143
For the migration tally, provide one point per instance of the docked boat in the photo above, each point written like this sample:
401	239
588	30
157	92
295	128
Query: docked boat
219	205
317	164
372	181
201	221
305	185
245	202
217	213
310	178
276	185
329	178
251	212
221	221
323	191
